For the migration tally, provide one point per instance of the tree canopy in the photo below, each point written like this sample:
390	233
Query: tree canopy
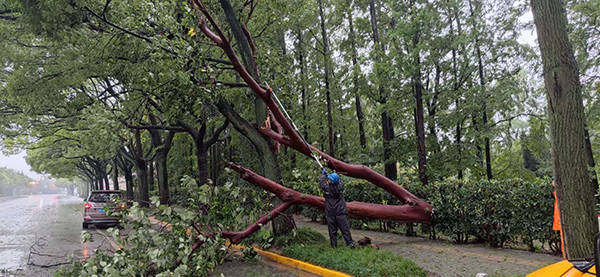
420	92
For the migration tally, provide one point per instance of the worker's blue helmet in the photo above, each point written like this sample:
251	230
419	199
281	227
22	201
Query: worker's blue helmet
334	178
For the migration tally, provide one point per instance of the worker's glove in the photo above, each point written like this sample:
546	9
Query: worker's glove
323	170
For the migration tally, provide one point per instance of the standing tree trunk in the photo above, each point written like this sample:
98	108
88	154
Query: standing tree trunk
214	163
565	110
591	162
419	119
327	76
386	121
105	176
162	175
128	183
141	169
202	160
202	147
458	145
162	146
125	162
432	110
355	88
300	58
99	176
456	86
150	175
201	151
115	175
281	224
483	97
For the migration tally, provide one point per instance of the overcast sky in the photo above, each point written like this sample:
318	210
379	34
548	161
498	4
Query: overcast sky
17	162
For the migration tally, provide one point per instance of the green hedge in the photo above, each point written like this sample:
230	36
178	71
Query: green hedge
357	262
493	211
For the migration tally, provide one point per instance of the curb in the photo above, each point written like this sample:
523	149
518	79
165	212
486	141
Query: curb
315	269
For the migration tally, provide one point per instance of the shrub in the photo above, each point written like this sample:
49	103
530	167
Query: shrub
494	211
357	262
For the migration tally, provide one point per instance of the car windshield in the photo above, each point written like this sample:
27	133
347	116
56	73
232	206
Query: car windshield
103	197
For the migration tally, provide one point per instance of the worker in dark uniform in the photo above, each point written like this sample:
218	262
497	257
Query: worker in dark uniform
335	207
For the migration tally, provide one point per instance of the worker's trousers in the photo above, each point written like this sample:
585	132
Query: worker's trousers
335	222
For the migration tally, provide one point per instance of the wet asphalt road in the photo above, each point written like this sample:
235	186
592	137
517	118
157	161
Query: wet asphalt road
39	232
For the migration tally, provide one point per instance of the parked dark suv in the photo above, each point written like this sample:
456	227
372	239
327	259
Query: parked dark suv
94	208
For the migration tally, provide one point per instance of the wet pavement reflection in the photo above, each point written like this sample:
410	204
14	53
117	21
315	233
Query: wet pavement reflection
39	232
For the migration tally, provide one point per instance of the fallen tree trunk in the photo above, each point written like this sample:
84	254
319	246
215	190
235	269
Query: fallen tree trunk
358	171
400	213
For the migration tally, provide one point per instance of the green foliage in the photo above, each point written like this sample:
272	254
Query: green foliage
12	181
149	250
162	251
230	206
495	212
249	254
357	262
263	238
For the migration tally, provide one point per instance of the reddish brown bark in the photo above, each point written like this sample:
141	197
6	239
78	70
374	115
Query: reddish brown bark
358	171
273	124
401	213
221	40
236	237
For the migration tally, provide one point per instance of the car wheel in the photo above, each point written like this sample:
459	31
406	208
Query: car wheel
85	225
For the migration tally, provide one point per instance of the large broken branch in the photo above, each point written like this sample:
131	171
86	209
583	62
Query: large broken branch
358	171
221	40
400	213
237	237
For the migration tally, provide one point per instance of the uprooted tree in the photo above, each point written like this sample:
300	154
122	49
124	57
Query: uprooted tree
413	209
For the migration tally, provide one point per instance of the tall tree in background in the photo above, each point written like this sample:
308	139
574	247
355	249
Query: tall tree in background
455	19
355	71
162	142
482	96
327	74
418	93
386	120
566	116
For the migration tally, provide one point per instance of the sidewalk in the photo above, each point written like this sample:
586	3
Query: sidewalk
446	259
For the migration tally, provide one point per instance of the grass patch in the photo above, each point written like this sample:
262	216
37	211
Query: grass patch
357	262
302	235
